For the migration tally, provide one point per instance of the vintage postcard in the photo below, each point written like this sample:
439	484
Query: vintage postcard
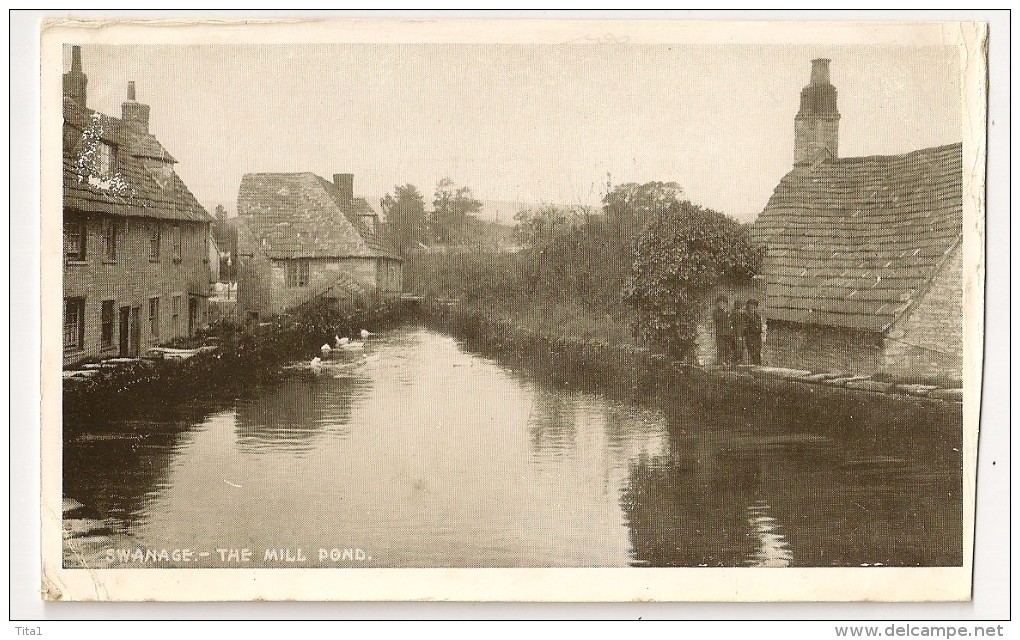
511	310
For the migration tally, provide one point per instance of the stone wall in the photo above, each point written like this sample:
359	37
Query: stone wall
928	340
322	272
822	348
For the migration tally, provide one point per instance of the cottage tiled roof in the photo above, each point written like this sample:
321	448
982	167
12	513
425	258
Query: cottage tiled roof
852	242
300	215
133	189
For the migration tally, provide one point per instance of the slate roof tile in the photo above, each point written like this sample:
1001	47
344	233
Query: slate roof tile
852	241
301	215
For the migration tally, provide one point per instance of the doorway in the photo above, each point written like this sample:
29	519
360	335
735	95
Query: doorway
136	331
124	332
192	316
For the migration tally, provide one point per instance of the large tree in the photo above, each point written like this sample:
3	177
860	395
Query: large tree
452	209
404	210
682	253
541	223
629	207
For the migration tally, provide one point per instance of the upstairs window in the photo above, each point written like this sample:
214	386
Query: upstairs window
154	242
175	241
74	240
297	273
110	233
104	159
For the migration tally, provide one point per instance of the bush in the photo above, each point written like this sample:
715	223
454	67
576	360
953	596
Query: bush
678	258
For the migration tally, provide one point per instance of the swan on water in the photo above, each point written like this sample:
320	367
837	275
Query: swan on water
365	333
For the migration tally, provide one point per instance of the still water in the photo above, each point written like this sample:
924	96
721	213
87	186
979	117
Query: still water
419	453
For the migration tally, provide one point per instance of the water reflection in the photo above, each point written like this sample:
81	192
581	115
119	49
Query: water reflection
426	455
730	493
288	414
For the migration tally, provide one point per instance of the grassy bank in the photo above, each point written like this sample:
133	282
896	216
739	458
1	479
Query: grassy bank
505	288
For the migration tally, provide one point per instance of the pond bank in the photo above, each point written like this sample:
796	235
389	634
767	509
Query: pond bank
758	392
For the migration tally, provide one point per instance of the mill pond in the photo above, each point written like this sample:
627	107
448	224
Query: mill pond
421	452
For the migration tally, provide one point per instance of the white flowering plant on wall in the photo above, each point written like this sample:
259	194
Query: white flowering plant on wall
95	164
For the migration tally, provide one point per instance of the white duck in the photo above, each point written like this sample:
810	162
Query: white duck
365	333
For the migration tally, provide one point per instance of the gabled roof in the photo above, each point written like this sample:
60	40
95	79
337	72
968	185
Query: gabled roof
134	189
300	215
852	242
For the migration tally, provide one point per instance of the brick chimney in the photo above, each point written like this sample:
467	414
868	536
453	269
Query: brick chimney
344	183
816	126
134	113
76	82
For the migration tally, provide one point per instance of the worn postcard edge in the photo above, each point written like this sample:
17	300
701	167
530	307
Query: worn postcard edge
522	585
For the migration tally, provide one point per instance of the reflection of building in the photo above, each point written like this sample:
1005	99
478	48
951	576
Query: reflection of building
290	414
136	252
304	237
863	271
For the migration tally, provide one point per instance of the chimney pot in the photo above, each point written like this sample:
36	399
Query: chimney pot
820	71
131	90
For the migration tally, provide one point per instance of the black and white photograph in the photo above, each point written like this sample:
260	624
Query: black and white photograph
699	306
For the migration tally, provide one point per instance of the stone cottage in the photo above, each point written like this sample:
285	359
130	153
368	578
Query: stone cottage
863	266
303	236
136	241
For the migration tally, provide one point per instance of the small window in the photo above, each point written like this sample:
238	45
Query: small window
175	241
106	335
297	273
154	317
154	241
104	160
110	240
74	240
175	315
74	323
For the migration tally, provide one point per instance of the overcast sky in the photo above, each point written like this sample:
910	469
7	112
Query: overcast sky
520	122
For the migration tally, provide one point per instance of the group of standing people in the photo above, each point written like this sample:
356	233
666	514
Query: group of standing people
737	331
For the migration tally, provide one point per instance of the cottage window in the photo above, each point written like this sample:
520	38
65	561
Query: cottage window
106	334
154	242
175	241
154	317
104	159
175	315
110	241
297	273
74	323
74	240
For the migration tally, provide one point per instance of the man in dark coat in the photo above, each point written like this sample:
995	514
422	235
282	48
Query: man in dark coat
724	333
752	332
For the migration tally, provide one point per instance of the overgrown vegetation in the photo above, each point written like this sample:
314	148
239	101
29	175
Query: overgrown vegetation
635	271
684	252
